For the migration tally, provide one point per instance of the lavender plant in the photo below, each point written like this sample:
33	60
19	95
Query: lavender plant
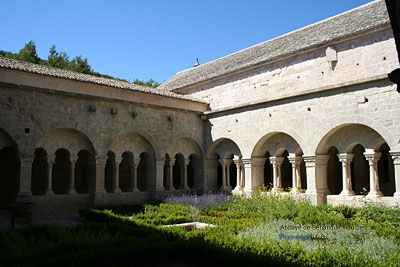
201	202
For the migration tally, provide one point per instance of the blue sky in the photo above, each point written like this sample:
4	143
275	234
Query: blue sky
155	39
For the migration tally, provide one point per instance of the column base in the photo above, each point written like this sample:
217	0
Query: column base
396	195
297	191
117	190
277	190
226	188
72	192
238	190
375	194
49	193
347	193
185	188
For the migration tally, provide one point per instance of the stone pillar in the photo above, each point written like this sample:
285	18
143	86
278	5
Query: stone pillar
24	191
374	190
317	188
184	184
239	184
71	189
277	180
346	159
99	183
116	188
257	166
160	174
50	163
396	163
171	175
210	174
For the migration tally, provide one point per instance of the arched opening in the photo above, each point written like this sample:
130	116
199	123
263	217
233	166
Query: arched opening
109	172
286	170
83	171
359	171
268	171
335	181
232	174
9	175
61	172
166	173
219	173
277	159
125	171
223	174
178	171
39	172
143	171
386	171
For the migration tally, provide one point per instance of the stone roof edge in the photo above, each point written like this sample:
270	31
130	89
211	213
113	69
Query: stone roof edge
13	64
170	85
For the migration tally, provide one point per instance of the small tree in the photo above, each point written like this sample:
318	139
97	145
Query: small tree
28	53
57	59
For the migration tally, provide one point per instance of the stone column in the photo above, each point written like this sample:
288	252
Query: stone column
116	188
50	163
133	177
374	190
277	181
226	174
296	175
160	174
171	175
396	163
24	191
239	185
184	184
71	189
346	160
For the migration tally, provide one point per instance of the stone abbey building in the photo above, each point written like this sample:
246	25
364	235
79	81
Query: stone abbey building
311	111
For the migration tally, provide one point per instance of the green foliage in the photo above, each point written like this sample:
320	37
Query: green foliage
247	233
28	53
61	60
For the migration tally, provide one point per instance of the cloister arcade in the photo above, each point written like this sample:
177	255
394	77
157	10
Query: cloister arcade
351	160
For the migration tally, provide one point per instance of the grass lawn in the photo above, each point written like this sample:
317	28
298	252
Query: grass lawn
259	231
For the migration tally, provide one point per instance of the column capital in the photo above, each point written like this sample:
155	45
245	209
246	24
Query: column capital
277	160
186	161
309	161
73	160
258	161
172	162
345	157
246	163
225	162
100	161
373	158
26	160
51	159
118	159
395	157
238	162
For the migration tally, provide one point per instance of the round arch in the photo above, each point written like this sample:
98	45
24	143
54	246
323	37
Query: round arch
276	143
185	146
224	148
133	143
70	139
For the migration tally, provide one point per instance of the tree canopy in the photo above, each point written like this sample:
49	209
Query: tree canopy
61	60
